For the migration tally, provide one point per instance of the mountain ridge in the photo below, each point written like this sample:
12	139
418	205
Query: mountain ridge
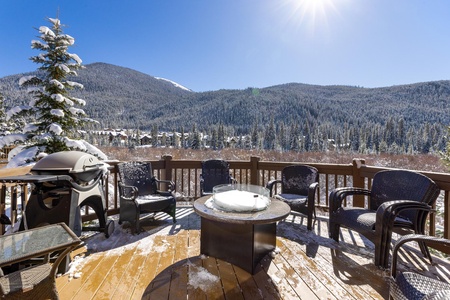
123	97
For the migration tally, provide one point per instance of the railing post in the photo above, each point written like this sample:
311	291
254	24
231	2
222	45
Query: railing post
168	166
446	215
358	181
115	171
2	206
254	170
166	173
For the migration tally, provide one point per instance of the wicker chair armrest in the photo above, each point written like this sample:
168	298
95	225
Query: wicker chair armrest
271	184
170	184
313	187
128	190
429	240
339	194
388	211
385	219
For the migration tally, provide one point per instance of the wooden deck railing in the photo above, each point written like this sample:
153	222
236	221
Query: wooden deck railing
186	174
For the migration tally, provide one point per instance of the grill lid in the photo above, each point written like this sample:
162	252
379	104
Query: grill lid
74	161
81	165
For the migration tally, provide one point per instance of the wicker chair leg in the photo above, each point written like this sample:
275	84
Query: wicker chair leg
172	210
334	231
137	226
378	255
382	250
310	221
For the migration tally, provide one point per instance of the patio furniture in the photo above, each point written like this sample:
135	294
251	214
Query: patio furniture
398	199
214	172
38	280
412	285
299	185
240	238
140	193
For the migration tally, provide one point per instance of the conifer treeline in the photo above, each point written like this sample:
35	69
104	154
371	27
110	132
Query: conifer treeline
392	138
305	137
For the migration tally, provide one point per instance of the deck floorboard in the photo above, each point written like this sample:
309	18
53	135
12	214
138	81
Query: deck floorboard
164	262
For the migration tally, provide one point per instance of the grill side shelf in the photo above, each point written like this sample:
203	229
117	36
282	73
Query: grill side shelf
34	178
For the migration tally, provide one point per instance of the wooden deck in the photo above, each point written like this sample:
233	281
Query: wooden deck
164	262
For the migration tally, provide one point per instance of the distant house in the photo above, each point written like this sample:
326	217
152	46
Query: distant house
231	142
146	140
118	137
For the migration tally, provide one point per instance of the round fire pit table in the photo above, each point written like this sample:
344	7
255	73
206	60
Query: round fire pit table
240	238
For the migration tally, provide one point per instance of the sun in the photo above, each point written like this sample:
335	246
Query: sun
315	10
311	13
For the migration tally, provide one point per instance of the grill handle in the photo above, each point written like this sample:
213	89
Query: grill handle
87	187
87	168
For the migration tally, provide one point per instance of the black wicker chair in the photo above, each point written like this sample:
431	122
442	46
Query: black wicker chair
139	193
398	199
214	172
412	285
299	185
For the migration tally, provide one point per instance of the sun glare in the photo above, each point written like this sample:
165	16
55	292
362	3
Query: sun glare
313	14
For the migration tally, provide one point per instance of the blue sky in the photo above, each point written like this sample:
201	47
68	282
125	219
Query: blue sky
234	44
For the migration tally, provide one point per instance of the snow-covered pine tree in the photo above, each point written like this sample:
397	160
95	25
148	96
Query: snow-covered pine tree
195	138
154	133
214	139
53	119
2	116
8	124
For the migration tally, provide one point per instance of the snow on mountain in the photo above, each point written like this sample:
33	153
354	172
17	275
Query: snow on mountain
175	84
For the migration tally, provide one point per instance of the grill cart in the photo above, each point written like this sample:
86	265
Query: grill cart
62	183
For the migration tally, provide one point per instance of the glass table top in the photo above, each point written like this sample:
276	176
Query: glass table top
35	242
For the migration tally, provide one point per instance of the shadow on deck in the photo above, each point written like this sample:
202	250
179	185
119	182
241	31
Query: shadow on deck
164	262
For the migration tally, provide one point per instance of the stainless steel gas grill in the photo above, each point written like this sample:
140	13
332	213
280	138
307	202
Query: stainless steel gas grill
62	184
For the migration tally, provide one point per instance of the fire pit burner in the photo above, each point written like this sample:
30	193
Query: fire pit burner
239	198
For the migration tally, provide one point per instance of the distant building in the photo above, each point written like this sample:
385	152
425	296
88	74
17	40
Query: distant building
145	140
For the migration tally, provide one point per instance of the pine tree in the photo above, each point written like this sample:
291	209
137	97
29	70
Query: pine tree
53	120
221	137
401	134
293	140
164	140
270	136
182	139
247	142
214	138
154	134
175	139
307	137
389	131
195	138
3	126
254	136
282	138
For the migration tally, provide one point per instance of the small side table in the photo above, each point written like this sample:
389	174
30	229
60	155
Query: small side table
37	281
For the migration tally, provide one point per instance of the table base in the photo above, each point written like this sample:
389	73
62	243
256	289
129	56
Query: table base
243	245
